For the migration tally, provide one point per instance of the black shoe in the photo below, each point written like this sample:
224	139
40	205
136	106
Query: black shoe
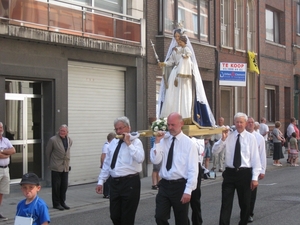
59	207
3	218
65	206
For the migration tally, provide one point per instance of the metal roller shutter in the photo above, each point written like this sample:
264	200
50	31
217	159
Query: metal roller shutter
95	99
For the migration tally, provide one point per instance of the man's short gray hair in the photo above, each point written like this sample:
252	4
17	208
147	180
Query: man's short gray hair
63	126
240	114
122	119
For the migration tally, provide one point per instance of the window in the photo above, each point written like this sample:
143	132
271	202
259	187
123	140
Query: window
251	26
272	26
270	103
204	20
238	24
187	11
225	25
169	15
187	14
298	16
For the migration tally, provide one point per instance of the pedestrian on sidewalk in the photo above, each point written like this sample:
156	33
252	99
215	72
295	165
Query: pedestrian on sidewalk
263	160
58	158
32	206
218	159
6	150
179	171
106	185
294	149
278	139
242	168
123	163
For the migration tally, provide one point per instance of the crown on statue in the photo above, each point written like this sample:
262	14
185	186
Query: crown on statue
179	26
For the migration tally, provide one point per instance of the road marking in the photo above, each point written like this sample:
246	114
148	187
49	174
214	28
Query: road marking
267	184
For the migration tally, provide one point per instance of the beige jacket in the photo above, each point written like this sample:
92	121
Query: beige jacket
58	159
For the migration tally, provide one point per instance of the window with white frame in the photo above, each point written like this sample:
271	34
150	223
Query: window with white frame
225	25
192	14
188	16
204	20
270	92
238	24
251	26
169	15
272	25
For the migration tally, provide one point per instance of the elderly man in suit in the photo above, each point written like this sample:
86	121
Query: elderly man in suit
58	157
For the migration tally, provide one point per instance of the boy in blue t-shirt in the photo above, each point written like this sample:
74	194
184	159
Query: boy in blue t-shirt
32	206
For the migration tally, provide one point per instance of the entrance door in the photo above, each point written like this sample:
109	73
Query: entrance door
23	126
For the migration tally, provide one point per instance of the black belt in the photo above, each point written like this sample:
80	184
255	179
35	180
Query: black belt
125	177
3	167
175	181
238	169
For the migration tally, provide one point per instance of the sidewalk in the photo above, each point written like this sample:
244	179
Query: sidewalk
84	198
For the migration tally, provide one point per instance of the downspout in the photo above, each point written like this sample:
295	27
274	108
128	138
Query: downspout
258	59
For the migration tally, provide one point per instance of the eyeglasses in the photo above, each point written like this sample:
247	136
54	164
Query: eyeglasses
119	128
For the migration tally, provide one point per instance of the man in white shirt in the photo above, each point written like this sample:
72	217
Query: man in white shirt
243	167
263	160
6	150
218	159
106	185
123	163
264	130
179	173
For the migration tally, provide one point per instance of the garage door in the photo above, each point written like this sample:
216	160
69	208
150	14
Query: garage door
95	99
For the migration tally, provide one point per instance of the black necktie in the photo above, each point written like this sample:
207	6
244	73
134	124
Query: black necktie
114	159
170	155
237	161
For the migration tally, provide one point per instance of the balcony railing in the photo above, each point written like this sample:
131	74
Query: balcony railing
67	18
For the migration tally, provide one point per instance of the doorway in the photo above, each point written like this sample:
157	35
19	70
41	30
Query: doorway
23	126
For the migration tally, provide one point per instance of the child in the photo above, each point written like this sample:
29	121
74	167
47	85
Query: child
294	149
32	206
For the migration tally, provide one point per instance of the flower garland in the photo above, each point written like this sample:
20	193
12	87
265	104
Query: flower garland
160	124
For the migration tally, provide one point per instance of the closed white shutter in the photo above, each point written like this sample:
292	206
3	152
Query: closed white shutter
95	99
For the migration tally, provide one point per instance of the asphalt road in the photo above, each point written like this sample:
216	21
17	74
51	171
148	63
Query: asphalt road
278	202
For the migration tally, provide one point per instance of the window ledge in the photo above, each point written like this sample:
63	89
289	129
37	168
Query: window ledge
276	44
240	50
227	47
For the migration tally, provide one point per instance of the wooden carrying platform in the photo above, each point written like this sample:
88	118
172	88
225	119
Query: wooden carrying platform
190	130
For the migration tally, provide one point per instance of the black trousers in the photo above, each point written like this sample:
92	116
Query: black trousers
169	195
252	201
196	201
59	182
124	199
239	181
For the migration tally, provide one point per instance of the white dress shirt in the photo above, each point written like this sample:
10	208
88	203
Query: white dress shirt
200	145
262	151
5	144
129	160
290	129
185	160
105	148
264	128
249	153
